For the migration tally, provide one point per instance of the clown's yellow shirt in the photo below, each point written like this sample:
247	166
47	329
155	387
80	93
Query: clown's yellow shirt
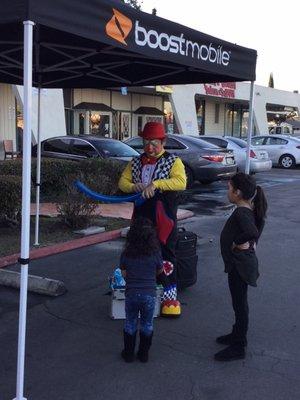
176	182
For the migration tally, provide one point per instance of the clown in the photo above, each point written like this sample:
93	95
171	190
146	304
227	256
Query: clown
159	175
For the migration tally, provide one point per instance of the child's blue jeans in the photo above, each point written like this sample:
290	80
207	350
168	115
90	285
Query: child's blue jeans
144	304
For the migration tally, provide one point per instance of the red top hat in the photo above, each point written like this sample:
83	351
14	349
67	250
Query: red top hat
153	130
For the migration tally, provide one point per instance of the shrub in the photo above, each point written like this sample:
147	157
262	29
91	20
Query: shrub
101	175
11	167
53	173
11	198
57	178
75	209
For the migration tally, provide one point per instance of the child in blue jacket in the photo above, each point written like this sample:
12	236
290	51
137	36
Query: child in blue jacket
141	262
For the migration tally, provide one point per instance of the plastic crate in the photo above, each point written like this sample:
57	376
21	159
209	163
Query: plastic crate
117	308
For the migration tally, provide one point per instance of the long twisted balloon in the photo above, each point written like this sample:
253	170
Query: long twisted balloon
135	198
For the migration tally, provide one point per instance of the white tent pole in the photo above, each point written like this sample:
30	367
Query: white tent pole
250	127
38	172
26	182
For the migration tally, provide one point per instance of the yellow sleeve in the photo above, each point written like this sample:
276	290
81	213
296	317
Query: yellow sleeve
125	182
177	180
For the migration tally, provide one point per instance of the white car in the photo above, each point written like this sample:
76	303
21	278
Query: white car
283	150
259	159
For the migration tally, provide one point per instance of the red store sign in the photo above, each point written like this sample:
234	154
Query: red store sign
224	89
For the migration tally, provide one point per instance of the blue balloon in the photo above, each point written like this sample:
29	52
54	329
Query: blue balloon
135	198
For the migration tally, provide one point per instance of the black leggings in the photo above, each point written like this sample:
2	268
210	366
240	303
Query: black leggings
238	290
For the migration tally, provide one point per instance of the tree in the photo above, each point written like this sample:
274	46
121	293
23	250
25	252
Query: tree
271	80
137	4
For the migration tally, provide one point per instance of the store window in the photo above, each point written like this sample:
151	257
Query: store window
169	117
200	113
143	119
91	122
245	118
99	124
236	123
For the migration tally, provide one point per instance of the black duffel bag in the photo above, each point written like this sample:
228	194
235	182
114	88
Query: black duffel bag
187	258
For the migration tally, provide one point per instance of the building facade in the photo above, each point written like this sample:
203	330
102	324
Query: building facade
223	108
204	109
119	113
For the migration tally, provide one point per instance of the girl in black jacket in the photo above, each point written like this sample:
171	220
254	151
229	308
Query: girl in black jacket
238	241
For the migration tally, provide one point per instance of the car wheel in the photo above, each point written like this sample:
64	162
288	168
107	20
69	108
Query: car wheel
287	161
189	177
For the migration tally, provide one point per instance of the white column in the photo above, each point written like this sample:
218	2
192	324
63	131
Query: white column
26	182
38	172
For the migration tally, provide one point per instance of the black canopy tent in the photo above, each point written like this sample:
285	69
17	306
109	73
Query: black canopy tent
98	44
102	43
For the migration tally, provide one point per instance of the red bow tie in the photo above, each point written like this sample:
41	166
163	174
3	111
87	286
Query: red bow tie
148	160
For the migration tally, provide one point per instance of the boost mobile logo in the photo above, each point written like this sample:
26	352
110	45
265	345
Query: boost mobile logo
119	27
178	44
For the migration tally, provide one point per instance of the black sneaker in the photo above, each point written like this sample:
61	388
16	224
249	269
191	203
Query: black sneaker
226	339
233	352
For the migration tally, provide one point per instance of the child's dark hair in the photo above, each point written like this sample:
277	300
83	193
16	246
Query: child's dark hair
142	239
249	190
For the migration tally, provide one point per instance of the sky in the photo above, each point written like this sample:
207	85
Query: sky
271	27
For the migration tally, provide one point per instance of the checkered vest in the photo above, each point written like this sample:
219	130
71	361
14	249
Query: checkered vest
162	169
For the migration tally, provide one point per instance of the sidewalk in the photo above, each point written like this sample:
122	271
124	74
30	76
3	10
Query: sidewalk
122	210
104	210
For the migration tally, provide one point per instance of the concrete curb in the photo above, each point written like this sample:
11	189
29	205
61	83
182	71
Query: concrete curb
76	243
36	284
62	247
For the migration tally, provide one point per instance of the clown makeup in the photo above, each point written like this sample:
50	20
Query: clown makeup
152	147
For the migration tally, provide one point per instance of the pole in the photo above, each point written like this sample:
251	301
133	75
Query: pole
38	172
26	181
250	128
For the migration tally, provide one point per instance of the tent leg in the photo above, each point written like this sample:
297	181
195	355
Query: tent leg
250	127
26	182
38	172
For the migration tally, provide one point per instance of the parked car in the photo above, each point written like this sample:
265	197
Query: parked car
283	150
259	159
204	162
85	146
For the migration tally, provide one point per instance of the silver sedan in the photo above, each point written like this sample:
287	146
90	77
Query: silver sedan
259	159
283	150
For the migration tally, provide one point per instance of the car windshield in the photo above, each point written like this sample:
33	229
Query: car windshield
240	142
112	148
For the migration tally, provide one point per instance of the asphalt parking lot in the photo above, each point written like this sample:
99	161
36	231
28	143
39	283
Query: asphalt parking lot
73	346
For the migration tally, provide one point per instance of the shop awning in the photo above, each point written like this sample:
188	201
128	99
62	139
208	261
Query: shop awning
104	43
93	107
148	111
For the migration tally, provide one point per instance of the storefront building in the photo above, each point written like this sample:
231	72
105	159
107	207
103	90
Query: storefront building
210	109
223	108
118	114
52	121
